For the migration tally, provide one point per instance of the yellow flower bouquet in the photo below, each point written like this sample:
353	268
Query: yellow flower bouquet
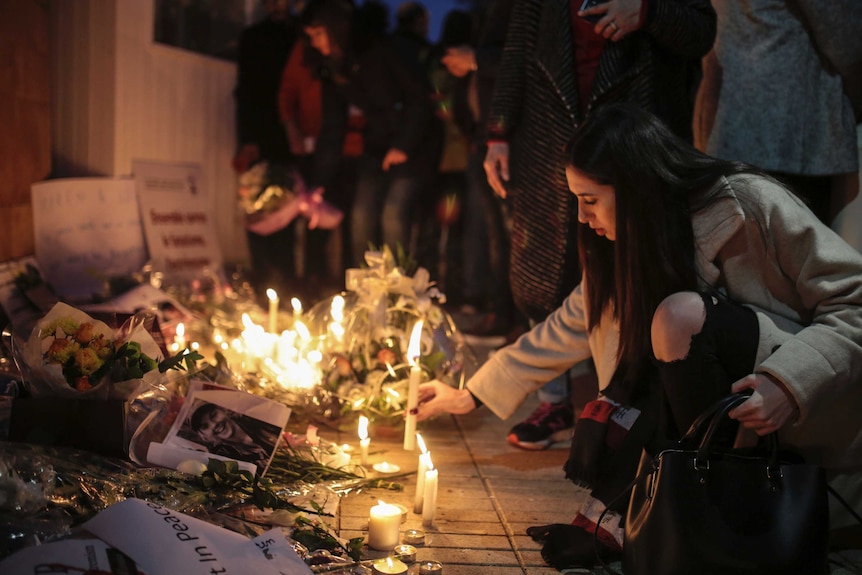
70	354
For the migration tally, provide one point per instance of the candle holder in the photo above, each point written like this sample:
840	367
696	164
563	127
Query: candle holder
430	568
406	553
414	537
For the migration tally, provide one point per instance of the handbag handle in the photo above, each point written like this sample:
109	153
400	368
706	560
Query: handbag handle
718	418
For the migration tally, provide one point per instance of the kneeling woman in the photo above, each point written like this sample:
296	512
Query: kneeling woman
701	277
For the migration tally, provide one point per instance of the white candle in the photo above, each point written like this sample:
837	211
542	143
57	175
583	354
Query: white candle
429	499
420	475
180	337
273	310
297	307
364	440
388	566
413	386
384	526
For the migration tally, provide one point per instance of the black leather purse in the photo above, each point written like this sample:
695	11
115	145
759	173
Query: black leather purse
697	509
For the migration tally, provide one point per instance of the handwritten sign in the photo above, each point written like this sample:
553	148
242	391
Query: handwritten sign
163	542
87	230
178	221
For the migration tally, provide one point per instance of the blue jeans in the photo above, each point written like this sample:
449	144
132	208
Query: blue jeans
382	209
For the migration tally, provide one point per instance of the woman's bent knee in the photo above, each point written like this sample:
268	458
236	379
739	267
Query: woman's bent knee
676	319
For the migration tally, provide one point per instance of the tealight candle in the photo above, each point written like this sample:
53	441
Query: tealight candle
386	467
414	537
384	526
430	568
388	566
406	553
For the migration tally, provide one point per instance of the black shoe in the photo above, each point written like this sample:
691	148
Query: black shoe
548	424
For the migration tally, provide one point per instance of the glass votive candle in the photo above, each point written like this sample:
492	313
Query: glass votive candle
430	568
406	553
414	537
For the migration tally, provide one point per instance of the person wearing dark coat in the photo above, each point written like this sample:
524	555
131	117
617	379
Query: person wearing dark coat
402	137
557	67
262	54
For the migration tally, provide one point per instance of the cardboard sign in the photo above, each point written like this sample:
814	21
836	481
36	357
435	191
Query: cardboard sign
178	222
87	230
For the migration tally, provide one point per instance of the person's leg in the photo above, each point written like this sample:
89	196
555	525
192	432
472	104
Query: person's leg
702	345
474	241
398	209
551	422
365	212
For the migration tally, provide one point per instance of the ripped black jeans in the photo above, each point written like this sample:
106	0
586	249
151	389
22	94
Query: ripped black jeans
723	352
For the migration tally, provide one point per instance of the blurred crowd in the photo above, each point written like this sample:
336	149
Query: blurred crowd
453	150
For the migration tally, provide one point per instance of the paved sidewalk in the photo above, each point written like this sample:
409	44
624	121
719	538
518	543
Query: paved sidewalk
489	493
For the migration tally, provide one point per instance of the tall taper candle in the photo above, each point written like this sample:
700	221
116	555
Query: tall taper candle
273	310
429	503
420	476
364	440
413	386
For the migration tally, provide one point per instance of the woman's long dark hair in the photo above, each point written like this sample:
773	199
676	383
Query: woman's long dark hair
659	181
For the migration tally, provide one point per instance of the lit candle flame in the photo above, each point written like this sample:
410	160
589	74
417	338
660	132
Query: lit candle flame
421	443
302	331
181	329
415	343
336	310
270	293
296	305
427	459
246	321
363	427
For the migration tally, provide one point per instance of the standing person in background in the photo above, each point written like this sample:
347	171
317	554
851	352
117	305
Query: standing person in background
262	54
558	65
485	239
442	208
402	137
771	98
302	99
410	36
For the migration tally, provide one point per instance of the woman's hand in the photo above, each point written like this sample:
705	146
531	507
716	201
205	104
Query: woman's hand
393	156
497	166
436	397
768	409
619	18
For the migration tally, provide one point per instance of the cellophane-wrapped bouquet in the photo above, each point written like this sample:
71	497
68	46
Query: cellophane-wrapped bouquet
70	354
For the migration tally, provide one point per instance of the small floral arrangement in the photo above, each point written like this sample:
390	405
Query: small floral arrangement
71	354
367	370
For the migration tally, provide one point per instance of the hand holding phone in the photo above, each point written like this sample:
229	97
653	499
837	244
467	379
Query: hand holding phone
594	18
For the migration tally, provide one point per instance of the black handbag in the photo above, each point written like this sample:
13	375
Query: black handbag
697	509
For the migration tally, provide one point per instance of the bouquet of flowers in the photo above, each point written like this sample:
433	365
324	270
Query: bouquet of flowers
70	354
272	196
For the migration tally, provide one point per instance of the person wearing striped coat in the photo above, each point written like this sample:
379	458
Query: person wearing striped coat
558	65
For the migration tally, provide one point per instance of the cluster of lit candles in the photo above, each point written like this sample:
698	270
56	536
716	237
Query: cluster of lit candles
291	357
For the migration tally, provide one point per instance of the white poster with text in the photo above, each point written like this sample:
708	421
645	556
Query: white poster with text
87	231
178	220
